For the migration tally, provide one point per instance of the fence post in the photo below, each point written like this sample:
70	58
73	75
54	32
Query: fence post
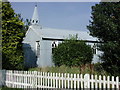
2	77
35	79
117	83
12	77
87	81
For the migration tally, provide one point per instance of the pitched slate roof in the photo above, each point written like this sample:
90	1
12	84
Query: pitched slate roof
56	33
60	33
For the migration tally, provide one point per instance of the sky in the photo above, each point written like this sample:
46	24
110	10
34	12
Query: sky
59	15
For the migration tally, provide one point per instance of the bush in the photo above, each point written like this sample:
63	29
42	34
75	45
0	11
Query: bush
72	53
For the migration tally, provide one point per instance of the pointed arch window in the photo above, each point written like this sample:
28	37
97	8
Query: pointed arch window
94	48
54	45
33	21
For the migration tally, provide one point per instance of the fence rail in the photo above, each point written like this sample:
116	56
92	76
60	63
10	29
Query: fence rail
34	79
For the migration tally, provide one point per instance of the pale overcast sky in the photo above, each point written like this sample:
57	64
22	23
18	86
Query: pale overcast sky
61	15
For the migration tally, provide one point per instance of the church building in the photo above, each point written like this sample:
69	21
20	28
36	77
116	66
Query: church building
39	41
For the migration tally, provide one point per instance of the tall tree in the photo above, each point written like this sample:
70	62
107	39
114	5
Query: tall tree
12	36
72	53
105	25
0	35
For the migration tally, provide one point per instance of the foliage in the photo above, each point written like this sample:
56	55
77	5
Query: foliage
26	25
0	35
72	52
105	25
12	35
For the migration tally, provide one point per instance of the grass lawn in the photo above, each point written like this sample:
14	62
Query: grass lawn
5	88
96	70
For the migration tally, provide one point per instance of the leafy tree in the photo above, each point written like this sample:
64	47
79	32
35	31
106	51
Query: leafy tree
12	36
105	25
26	25
0	35
72	53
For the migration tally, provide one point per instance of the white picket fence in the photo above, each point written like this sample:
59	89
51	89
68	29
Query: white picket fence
34	79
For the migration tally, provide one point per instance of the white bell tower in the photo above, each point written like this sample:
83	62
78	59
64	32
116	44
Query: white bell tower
35	17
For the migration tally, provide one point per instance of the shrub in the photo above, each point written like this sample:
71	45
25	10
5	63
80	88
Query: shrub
72	52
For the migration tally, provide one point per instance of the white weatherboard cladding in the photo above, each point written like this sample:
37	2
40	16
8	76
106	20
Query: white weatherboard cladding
45	54
31	36
36	32
96	57
29	46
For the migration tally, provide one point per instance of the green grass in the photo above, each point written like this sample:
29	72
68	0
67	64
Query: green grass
6	88
61	69
96	69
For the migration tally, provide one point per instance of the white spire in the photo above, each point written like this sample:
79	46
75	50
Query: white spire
35	17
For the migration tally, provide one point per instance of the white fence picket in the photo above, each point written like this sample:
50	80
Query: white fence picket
59	80
34	79
56	76
113	85
71	80
86	81
104	82
81	76
100	83
74	80
92	81
51	80
65	80
96	82
108	81
78	81
68	75
62	79
117	82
